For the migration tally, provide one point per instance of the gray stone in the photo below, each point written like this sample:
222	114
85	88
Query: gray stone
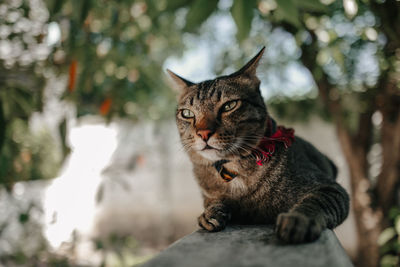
250	245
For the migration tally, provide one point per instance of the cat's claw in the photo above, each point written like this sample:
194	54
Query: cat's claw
294	228
213	222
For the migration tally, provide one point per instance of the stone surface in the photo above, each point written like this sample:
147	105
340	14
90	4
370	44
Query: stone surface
250	245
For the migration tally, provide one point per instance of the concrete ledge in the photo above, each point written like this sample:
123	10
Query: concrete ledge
250	245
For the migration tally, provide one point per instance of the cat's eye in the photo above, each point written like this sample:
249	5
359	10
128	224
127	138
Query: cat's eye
229	105
187	114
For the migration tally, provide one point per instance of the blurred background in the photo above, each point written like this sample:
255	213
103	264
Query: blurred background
92	172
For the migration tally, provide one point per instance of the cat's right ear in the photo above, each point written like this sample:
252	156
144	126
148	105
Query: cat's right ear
180	83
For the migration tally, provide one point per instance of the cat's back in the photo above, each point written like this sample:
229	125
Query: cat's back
305	157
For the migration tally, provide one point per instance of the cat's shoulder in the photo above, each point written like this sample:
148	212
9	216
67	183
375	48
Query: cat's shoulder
304	153
303	144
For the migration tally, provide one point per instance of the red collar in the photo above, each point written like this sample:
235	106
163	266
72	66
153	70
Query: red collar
264	150
267	146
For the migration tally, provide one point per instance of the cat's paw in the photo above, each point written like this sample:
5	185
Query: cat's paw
213	220
294	228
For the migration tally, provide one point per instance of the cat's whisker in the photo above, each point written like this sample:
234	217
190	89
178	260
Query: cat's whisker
250	138
247	150
252	135
235	148
244	143
259	151
186	146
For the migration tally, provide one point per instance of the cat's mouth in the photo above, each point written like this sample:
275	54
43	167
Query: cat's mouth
208	147
210	152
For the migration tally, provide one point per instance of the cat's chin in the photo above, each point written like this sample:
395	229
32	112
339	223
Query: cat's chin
210	154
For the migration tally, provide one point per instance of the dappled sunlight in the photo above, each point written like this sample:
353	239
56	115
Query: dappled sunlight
70	200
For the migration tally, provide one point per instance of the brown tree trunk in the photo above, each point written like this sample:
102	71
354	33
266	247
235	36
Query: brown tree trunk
388	103
367	220
389	177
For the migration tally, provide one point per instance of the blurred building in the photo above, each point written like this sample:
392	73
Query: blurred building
135	180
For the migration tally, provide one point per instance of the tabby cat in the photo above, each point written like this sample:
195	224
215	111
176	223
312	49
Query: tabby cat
249	169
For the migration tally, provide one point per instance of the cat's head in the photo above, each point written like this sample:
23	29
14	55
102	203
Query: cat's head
221	118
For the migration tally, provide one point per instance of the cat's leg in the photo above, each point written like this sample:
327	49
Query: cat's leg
325	207
215	216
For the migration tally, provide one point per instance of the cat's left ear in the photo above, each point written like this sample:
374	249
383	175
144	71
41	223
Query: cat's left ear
250	68
181	84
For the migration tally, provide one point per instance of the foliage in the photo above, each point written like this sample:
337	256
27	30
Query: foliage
21	92
119	250
32	154
389	241
22	242
111	52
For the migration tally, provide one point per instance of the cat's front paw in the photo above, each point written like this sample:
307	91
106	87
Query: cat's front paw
294	228
213	220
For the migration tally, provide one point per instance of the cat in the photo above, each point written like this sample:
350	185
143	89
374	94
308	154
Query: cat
249	169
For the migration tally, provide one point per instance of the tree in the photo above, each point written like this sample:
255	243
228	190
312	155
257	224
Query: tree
371	200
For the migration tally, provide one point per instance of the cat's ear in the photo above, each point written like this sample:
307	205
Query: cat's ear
180	83
251	67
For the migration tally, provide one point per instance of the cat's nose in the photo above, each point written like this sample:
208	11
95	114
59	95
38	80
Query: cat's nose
204	134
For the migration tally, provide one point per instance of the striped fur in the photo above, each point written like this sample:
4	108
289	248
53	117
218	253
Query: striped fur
295	189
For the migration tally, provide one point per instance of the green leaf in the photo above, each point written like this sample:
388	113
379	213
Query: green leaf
312	5
289	12
100	194
386	236
394	212
242	13
338	56
23	218
62	129
2	126
175	4
86	5
397	224
389	261
57	5
198	13
99	244
396	247
23	102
